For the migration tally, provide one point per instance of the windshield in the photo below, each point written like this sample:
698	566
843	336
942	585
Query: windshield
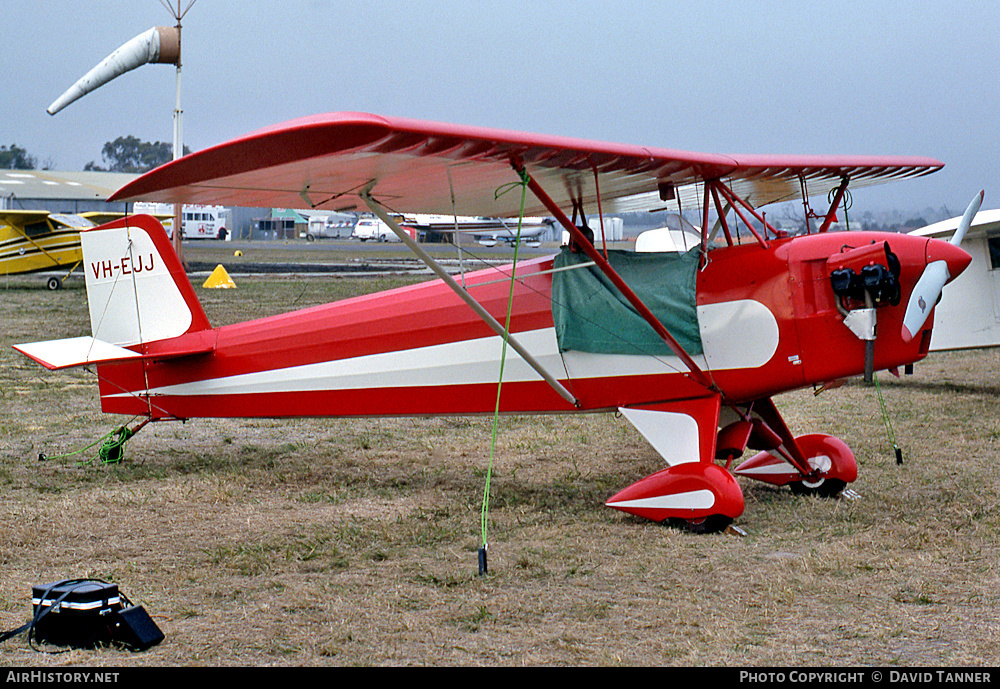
71	220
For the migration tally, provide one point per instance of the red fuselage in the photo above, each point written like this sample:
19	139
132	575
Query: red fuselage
769	318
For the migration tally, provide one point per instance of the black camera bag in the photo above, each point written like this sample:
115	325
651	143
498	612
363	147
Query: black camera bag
84	613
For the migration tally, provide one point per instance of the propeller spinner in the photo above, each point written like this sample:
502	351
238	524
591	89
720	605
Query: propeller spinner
945	260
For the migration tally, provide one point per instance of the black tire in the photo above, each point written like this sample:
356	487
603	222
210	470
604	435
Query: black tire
713	523
53	283
824	488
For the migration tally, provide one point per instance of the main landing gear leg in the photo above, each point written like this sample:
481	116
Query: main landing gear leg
814	464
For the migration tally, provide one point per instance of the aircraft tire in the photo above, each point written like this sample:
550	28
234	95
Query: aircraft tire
714	523
824	488
53	283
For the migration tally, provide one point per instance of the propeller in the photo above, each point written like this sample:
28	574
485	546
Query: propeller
927	291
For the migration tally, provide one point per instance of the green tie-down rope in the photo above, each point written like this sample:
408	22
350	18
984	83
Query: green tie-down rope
887	421
111	451
484	519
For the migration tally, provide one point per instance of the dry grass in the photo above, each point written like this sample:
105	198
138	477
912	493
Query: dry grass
353	542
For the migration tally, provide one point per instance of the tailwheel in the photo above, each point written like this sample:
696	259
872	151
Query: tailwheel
713	523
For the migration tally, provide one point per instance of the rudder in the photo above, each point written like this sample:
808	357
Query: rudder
137	289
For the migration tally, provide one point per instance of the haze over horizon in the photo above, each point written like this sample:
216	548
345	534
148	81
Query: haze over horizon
726	77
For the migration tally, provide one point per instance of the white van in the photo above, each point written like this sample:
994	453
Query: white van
199	222
375	229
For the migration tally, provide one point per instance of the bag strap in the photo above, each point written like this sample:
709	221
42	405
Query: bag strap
42	610
15	632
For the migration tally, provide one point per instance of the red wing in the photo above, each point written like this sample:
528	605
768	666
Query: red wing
325	160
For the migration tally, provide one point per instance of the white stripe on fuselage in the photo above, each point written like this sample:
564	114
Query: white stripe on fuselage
452	363
723	326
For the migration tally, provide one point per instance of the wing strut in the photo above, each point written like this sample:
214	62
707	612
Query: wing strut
31	241
588	248
837	198
735	202
495	325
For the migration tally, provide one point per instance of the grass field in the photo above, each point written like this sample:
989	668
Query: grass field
353	542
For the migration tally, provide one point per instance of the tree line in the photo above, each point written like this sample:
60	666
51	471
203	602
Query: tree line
16	158
124	154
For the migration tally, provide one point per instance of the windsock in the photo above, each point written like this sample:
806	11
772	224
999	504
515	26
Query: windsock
161	44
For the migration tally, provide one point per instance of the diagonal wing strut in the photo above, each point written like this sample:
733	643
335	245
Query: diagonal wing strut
495	325
696	373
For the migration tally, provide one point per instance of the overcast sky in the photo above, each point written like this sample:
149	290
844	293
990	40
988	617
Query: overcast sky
838	77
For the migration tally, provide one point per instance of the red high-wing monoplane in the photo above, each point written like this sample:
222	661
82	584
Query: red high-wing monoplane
689	346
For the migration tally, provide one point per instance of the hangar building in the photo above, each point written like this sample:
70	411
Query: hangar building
79	192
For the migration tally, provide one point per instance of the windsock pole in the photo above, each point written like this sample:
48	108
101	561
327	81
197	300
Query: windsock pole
178	237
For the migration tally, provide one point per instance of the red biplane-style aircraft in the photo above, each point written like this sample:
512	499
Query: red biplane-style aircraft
689	346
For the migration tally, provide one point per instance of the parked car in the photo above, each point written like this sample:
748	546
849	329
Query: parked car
373	228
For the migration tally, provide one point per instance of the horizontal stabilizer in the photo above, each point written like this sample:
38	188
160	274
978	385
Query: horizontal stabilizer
80	351
75	351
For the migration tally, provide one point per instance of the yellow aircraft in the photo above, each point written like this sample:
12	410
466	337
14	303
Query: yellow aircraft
33	241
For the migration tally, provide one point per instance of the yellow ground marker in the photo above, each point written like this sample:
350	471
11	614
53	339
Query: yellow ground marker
219	279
